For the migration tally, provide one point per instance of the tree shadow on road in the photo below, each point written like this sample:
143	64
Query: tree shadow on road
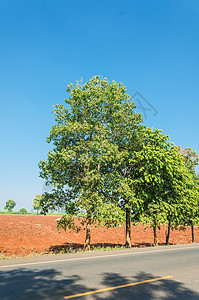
32	284
166	289
21	284
75	247
143	245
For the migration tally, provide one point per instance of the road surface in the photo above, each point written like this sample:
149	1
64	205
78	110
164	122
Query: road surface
163	272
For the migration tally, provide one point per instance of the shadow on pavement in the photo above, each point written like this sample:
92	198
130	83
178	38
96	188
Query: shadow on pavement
75	247
33	284
162	289
48	284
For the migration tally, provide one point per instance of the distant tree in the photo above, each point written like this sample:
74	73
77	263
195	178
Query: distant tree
23	211
10	204
37	202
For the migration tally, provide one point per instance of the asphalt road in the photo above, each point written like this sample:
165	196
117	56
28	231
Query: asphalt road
170	272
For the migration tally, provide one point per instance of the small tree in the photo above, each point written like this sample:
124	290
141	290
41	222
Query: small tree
37	203
10	204
23	211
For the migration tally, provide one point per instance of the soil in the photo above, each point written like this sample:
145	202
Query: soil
24	235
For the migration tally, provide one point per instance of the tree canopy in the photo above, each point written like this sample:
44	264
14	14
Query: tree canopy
107	165
161	180
87	134
37	202
191	211
10	204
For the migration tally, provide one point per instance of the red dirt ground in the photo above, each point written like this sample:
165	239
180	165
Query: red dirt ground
22	235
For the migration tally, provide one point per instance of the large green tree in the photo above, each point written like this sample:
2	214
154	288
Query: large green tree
191	211
160	179
94	127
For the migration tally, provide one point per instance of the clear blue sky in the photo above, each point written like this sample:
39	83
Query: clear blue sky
150	46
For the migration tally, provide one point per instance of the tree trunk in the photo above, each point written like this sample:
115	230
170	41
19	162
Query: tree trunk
168	231
155	232
192	233
128	228
87	244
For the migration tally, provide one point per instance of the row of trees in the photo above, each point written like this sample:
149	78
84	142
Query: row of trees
108	165
10	204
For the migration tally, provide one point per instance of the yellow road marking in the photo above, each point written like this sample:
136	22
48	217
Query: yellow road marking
115	287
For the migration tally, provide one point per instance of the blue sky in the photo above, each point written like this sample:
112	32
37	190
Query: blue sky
150	46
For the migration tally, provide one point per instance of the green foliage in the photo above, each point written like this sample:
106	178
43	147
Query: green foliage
190	157
160	180
108	167
37	202
23	211
67	222
191	210
86	138
10	204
